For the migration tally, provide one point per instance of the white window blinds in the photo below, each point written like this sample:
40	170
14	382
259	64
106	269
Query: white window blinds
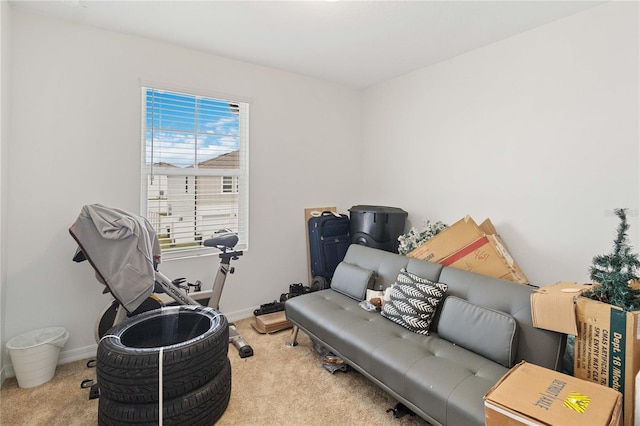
195	171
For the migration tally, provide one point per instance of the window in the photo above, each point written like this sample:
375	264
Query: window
195	167
229	184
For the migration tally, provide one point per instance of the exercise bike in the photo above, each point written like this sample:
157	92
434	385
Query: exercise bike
165	291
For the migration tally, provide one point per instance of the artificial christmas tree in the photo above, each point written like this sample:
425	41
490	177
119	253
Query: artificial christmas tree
606	349
615	273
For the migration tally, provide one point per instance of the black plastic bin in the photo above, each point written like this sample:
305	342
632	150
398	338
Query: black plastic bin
377	226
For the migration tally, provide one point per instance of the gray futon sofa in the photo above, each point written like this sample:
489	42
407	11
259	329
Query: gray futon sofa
481	327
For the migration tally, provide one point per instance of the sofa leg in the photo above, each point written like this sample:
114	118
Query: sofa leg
294	342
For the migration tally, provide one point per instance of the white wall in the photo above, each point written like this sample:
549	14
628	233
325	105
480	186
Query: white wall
5	33
538	132
75	140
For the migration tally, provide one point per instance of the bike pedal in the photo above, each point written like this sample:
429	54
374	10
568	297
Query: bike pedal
94	392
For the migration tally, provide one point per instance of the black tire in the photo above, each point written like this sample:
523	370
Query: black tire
320	283
195	343
201	407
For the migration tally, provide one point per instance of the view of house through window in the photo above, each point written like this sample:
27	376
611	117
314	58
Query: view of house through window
230	184
195	170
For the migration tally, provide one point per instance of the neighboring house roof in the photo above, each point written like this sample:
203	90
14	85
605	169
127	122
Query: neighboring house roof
230	160
163	164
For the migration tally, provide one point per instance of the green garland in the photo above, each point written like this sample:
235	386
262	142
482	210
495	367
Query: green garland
415	238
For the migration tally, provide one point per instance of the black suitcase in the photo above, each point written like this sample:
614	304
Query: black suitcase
328	242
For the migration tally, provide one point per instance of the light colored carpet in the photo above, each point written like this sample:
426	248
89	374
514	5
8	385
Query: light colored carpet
278	385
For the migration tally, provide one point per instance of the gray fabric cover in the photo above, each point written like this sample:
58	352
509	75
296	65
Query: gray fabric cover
485	331
120	246
352	280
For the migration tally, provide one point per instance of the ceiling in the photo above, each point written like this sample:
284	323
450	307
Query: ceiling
355	43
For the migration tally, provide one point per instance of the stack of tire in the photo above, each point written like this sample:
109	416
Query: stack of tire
196	372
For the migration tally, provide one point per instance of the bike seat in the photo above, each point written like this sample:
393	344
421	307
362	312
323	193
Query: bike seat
222	241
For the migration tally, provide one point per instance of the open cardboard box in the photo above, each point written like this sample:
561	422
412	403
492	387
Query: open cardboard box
607	343
472	247
552	307
532	395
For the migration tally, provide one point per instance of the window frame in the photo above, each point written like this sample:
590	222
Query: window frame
240	175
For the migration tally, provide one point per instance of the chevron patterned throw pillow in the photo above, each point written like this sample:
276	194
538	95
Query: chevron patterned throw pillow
413	302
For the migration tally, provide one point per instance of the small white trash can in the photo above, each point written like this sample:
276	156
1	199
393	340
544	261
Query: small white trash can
34	355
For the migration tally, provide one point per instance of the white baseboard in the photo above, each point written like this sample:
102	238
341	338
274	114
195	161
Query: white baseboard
77	354
239	315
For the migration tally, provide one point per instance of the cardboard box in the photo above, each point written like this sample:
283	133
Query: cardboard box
607	349
448	241
533	395
487	256
553	307
477	248
607	343
270	323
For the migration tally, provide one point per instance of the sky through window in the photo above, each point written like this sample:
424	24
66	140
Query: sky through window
186	130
